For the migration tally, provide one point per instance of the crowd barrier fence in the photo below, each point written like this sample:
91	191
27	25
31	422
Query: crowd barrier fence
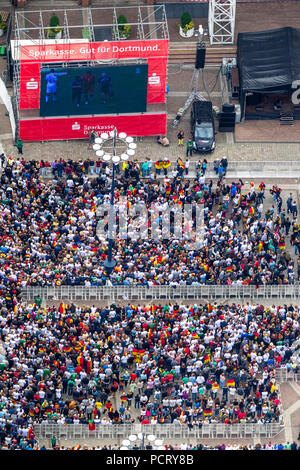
119	432
235	169
220	293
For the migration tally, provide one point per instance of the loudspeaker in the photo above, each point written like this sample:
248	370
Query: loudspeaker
228	108
200	58
227	122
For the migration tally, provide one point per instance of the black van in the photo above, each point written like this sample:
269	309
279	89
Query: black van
203	126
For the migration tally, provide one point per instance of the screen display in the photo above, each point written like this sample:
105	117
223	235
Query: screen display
93	90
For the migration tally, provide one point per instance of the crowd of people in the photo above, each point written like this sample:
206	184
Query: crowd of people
167	447
148	364
49	228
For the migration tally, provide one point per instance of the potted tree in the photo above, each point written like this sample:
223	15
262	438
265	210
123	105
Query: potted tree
123	28
186	26
55	31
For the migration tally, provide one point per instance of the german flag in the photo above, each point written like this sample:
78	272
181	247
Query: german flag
207	412
282	245
138	354
229	269
230	383
67	349
215	386
206	358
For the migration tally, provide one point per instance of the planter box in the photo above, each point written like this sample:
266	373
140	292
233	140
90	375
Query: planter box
188	34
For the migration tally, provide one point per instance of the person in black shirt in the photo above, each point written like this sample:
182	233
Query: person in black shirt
77	91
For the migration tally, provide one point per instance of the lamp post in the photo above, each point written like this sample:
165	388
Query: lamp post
100	146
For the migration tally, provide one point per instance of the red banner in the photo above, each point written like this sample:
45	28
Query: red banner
157	80
79	127
155	51
95	51
30	78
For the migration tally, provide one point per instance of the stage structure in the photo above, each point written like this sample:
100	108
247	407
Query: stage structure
269	74
194	95
93	76
221	21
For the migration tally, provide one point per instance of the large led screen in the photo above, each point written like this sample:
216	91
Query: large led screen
93	90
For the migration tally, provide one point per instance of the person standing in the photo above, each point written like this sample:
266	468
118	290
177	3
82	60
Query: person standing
221	171
88	81
92	137
53	441
287	224
289	203
180	137
166	165
186	167
294	209
189	148
19	144
3	159
224	163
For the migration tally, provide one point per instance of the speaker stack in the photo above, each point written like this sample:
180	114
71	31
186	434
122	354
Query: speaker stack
227	118
200	57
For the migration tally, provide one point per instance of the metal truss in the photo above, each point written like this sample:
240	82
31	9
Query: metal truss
221	21
150	22
194	95
31	26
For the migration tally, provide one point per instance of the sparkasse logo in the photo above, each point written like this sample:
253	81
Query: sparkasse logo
32	84
75	126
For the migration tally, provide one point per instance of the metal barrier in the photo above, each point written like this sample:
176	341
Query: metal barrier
141	293
235	169
283	375
162	431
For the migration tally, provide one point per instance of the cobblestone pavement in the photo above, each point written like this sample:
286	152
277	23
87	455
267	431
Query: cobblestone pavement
90	443
78	150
